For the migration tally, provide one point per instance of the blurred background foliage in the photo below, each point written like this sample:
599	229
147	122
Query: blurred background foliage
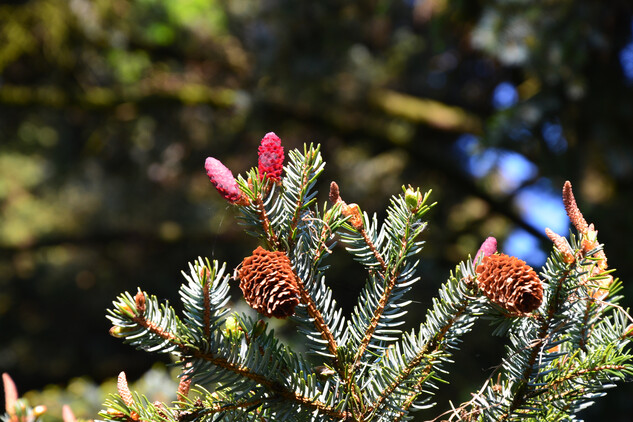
108	109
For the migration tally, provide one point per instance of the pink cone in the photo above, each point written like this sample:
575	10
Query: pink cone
223	180
487	248
271	157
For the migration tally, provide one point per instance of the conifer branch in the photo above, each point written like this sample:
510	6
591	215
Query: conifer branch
319	321
271	385
305	178
156	329
373	249
536	345
326	233
217	408
393	277
571	376
563	352
431	347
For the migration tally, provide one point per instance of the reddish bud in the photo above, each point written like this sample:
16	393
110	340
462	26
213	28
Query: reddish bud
355	216
10	394
575	216
335	193
487	248
271	157
223	180
124	390
561	244
139	300
67	414
183	387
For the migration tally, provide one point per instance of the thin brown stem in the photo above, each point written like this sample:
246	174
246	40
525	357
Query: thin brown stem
140	320
207	307
580	373
271	237
319	322
241	370
373	249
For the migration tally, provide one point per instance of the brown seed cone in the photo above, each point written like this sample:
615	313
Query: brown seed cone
268	283
510	283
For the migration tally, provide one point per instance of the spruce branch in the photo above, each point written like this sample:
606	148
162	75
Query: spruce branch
414	361
302	172
394	272
319	321
568	337
261	208
535	345
205	296
374	251
572	349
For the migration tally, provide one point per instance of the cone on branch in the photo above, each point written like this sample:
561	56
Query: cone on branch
347	210
487	248
597	269
510	283
270	157
268	283
222	178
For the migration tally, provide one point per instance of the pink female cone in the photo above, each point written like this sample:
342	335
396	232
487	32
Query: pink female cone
487	248
271	157
223	180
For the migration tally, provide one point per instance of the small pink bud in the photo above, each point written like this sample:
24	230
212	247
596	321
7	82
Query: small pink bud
223	180
487	248
271	157
67	414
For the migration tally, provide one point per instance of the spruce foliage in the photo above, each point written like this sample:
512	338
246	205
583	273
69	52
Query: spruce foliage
559	358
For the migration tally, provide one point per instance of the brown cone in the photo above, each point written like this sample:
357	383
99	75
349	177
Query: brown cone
268	283
510	283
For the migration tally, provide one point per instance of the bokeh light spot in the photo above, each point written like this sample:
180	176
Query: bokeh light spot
504	96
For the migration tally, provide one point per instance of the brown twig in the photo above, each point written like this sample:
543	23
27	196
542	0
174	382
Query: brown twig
271	237
206	304
319	322
156	329
373	249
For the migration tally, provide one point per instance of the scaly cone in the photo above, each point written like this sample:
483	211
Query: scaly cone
268	283
510	283
223	180
271	157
